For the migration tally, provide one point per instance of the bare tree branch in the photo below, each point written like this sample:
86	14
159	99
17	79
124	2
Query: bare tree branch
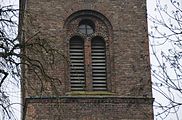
166	48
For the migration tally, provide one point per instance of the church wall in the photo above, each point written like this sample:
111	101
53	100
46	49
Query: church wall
90	108
127	56
128	46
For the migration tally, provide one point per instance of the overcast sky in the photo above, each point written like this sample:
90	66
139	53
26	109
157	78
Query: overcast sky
158	97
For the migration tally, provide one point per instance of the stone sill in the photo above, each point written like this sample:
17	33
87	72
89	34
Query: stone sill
89	93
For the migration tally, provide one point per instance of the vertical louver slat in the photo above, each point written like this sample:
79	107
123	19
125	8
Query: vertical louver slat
77	69
99	65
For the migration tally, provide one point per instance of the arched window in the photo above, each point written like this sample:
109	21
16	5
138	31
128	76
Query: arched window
97	50
88	52
87	60
99	76
77	68
86	27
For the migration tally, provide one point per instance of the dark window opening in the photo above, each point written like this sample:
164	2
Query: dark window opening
86	27
77	68
99	76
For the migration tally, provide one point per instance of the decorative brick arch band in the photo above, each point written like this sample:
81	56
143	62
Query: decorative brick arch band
90	13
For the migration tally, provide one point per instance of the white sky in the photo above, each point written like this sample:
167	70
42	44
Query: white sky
158	97
12	90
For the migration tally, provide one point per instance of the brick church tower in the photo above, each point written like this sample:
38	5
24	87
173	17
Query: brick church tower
100	64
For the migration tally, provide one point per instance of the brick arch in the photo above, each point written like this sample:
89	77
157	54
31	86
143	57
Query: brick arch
90	13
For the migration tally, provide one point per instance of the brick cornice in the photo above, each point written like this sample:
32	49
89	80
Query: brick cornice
91	99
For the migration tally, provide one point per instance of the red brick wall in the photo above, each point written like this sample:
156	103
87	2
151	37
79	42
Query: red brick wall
127	55
89	108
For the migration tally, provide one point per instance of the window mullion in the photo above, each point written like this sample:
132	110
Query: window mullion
88	65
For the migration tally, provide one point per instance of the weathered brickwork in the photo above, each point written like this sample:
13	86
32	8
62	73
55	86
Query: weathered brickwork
90	108
123	25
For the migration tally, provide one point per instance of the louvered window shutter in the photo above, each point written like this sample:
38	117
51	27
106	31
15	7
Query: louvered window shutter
77	69
99	64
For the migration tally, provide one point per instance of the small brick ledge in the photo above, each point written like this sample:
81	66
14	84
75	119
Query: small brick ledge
90	99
